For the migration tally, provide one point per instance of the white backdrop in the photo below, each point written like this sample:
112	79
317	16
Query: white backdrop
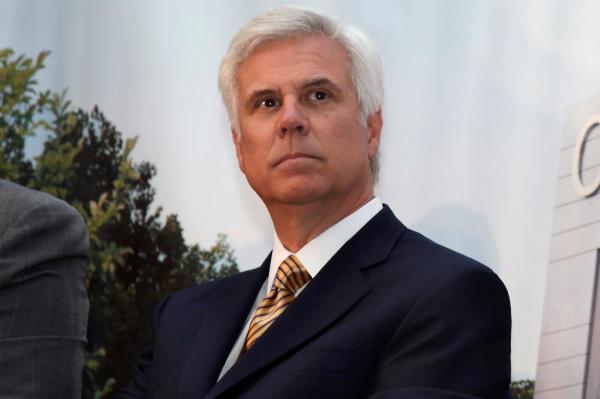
475	97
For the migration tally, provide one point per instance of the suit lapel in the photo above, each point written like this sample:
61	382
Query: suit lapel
221	324
334	291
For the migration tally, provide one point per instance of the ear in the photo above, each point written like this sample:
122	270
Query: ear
374	125
238	148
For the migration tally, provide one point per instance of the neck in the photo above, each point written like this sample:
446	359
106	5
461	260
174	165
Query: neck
297	224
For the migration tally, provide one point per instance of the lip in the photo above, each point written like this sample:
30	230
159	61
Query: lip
292	156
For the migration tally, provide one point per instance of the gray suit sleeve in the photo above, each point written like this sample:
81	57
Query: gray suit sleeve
43	300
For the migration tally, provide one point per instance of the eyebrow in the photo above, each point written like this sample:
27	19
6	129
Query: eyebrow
258	94
319	82
324	82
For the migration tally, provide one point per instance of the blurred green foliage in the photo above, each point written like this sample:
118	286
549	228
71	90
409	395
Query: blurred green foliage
522	389
137	256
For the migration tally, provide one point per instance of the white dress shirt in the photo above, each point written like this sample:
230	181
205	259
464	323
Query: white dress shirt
314	255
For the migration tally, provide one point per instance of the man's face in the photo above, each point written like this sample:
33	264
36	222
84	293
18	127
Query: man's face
301	139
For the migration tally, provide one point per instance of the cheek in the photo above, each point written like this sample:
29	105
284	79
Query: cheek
254	147
254	151
353	139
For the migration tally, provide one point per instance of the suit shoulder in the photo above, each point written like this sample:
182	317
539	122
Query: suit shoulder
435	257
425	265
31	214
17	201
433	273
205	291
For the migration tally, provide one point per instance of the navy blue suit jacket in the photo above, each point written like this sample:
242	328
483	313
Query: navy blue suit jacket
392	315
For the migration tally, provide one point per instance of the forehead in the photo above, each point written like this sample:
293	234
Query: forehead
288	61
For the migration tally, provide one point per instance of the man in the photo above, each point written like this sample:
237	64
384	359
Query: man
43	300
350	303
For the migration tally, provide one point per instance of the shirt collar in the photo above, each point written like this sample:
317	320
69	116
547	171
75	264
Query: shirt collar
317	252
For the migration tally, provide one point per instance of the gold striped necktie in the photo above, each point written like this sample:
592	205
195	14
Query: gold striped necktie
290	276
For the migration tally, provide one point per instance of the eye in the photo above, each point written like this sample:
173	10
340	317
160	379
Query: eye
267	103
318	95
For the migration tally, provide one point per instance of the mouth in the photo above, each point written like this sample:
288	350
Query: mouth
294	156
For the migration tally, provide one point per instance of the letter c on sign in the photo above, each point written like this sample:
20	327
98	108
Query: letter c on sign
581	189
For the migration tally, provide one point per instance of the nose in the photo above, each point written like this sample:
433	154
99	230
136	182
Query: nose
292	119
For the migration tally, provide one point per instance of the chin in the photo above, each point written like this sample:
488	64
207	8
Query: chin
299	194
296	197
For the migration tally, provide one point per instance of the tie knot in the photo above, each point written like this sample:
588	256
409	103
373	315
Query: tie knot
291	275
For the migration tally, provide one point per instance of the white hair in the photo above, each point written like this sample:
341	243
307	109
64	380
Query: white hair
290	22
